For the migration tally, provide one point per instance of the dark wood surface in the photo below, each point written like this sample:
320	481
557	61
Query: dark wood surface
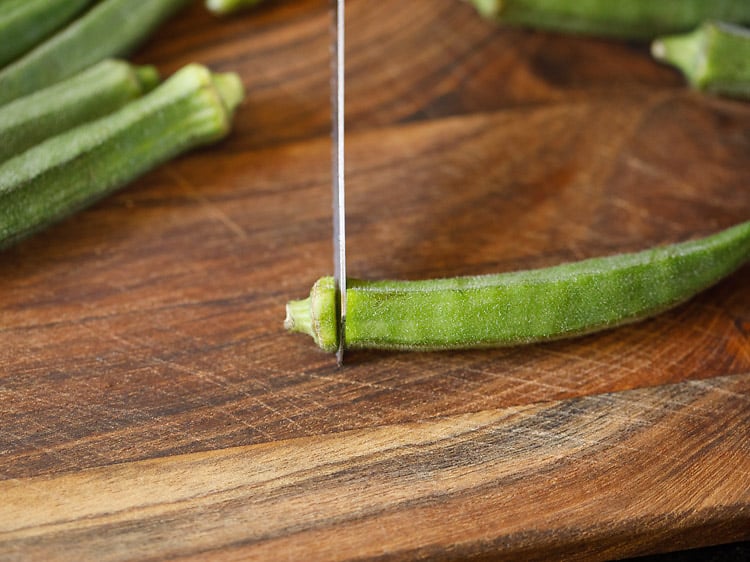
555	480
150	326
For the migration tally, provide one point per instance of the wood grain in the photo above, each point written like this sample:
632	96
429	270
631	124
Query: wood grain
150	325
164	335
657	464
424	60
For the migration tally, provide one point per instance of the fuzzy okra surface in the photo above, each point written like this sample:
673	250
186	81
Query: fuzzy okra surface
69	171
111	28
625	19
519	307
24	23
93	93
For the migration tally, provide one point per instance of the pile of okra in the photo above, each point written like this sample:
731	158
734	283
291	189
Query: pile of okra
78	121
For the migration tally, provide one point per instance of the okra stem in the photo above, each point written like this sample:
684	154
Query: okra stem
67	172
520	307
222	7
714	57
95	92
627	19
24	23
109	29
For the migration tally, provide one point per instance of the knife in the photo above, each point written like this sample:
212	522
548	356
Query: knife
339	215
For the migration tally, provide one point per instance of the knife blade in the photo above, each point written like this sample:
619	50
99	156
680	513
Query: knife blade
339	215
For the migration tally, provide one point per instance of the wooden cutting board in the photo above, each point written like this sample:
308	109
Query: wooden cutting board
152	406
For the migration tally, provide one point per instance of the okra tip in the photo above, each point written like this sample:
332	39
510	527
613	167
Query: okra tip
298	316
316	315
488	8
685	51
219	7
224	7
147	76
230	89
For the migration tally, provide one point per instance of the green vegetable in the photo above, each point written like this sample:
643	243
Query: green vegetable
111	28
222	7
714	58
629	19
95	92
519	307
69	171
24	23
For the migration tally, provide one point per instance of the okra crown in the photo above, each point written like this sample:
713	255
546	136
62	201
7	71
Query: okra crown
316	315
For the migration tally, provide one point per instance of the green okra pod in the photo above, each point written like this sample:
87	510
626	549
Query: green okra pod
24	23
97	91
626	19
67	172
714	57
223	7
111	28
519	307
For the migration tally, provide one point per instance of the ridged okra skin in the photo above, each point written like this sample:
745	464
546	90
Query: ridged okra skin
520	307
626	19
714	58
68	172
111	28
24	23
93	93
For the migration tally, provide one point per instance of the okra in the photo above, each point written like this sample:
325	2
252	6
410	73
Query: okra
111	28
626	19
222	7
715	57
519	307
93	93
24	23
67	172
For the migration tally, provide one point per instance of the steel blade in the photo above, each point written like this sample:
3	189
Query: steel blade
339	215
